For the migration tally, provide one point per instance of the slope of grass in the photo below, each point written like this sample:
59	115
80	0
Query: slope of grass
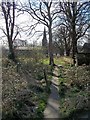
74	89
24	88
64	61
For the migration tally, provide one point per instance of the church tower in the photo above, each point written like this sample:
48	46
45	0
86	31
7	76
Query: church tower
44	43
44	40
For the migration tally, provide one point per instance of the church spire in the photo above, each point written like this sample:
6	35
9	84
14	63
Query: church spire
44	40
44	43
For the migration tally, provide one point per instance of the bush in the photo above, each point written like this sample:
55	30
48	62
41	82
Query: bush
83	58
62	89
75	98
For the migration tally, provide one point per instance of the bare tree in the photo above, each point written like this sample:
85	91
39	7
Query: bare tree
75	18
8	10
43	13
62	39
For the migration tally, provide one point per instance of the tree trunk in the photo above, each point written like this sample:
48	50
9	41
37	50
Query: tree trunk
11	51
45	77
9	22
51	61
67	49
74	42
67	52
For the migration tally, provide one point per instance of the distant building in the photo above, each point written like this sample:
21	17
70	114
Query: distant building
20	43
44	40
44	43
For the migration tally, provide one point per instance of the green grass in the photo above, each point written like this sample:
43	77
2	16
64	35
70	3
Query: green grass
65	61
46	61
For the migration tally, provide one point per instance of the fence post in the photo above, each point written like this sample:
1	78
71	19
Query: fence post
45	76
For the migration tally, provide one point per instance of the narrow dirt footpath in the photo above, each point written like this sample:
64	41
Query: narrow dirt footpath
52	108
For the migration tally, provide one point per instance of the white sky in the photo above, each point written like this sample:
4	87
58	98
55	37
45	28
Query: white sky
23	20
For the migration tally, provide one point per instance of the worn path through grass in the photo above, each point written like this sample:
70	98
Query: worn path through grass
52	108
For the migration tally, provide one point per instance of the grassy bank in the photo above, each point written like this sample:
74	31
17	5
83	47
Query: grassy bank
73	90
25	91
